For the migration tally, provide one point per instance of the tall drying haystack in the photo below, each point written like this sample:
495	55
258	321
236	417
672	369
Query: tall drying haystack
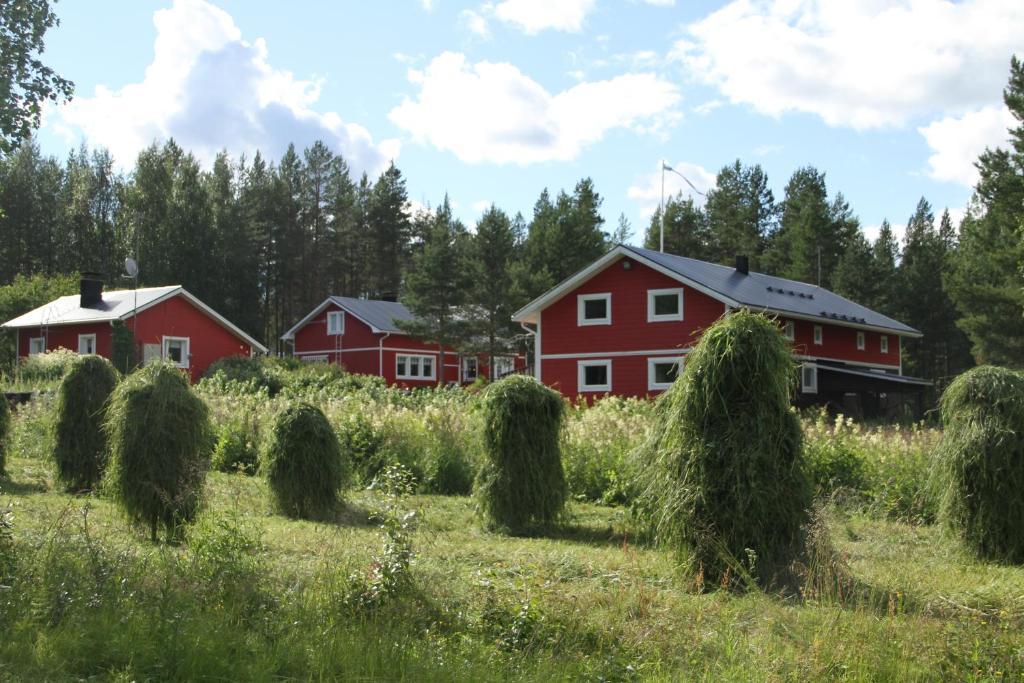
5	426
521	484
723	476
80	446
160	437
982	461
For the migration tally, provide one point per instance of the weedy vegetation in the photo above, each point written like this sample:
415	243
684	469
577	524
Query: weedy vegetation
5	428
80	444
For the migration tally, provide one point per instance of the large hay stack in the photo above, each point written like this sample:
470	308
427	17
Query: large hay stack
80	444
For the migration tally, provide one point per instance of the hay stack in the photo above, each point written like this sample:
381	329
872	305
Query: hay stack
5	427
80	444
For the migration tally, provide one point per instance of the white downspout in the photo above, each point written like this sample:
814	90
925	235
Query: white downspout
536	348
380	361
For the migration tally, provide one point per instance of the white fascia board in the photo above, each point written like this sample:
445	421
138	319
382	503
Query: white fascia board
290	334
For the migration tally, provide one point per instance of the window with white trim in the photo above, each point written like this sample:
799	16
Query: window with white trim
818	334
86	344
335	322
860	341
36	345
469	368
503	365
594	376
414	367
315	358
662	372
884	343
594	309
175	350
790	330
809	379
664	304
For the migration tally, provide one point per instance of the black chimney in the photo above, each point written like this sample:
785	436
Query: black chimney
389	296
742	264
90	290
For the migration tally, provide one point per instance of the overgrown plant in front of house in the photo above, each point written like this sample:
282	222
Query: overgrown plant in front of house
5	428
80	443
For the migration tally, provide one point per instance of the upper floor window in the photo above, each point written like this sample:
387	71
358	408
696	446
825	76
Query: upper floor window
594	309
790	330
664	304
336	322
86	344
884	344
860	341
594	375
817	335
36	345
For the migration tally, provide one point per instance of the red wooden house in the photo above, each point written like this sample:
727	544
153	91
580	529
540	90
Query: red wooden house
625	324
167	322
364	336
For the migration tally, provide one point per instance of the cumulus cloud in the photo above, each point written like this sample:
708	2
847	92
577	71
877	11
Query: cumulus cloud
958	141
210	89
534	16
646	191
475	22
858	64
492	112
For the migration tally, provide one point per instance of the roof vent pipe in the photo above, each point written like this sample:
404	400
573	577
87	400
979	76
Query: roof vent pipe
742	264
90	290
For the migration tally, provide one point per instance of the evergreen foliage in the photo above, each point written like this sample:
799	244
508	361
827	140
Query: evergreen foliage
686	230
124	350
5	428
80	443
160	438
521	484
741	213
982	457
725	478
304	464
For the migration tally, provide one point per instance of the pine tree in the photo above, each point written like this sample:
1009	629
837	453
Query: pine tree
493	251
686	230
740	212
389	233
885	253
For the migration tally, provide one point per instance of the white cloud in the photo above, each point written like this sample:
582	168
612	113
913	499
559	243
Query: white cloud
647	190
492	112
765	150
210	89
958	141
706	108
660	3
534	16
482	205
475	22
899	227
427	5
859	64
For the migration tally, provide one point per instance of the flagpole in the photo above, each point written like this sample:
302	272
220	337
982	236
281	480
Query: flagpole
661	211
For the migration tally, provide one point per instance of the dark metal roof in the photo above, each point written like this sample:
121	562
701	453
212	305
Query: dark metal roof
760	291
381	315
880	376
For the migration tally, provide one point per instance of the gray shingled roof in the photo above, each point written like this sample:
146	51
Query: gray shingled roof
382	315
760	291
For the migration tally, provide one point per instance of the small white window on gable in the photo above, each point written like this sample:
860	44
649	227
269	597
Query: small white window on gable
790	330
860	341
176	351
86	344
336	322
664	304
809	379
594	309
884	343
36	345
818	335
662	372
594	376
503	365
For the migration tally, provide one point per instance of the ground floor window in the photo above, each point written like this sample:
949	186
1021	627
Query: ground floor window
414	367
176	351
469	368
809	379
86	344
503	365
594	375
661	372
36	345
315	358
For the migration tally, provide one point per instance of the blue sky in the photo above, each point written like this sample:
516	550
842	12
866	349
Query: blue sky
491	101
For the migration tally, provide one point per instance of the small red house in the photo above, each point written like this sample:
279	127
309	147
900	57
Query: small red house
167	322
363	335
624	325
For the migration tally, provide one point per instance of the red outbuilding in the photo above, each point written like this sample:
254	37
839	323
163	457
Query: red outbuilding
364	336
624	325
167	323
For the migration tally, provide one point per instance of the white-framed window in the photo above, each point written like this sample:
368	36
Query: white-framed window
86	344
661	372
860	341
314	358
414	367
884	343
336	322
470	368
36	345
809	379
594	309
664	304
790	330
594	376
176	350
818	335
503	365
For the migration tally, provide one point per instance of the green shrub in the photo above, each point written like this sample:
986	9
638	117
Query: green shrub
5	428
245	371
80	444
160	438
47	368
982	458
521	483
31	432
304	464
237	447
724	471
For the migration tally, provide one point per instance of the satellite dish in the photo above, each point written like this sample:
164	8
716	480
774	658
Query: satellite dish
131	267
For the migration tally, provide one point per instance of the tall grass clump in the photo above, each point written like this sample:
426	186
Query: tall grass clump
80	444
982	461
5	427
160	437
304	464
724	481
45	369
521	483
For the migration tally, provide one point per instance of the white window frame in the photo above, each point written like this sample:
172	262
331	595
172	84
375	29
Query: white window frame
36	341
419	363
789	329
338	317
652	294
861	341
581	305
581	375
883	343
464	365
652	383
87	337
186	352
315	358
812	386
510	366
819	335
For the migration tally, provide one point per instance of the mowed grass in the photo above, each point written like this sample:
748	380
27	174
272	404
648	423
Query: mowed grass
256	596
